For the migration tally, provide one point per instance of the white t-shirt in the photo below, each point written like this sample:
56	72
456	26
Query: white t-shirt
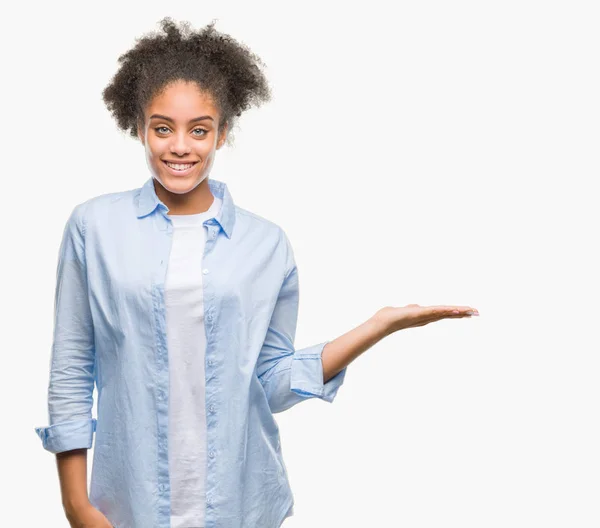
186	343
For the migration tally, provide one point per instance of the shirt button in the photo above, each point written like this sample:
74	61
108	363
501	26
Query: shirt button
211	362
204	271
161	487
208	500
209	317
212	408
211	454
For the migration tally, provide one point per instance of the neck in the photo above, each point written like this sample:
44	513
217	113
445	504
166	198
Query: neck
196	201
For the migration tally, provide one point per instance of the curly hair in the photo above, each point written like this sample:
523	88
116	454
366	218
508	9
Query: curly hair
221	66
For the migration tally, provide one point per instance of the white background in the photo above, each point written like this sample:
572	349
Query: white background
416	152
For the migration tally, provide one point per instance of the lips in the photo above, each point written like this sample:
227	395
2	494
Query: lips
179	172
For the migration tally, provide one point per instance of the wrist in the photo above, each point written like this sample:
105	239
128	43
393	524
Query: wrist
383	322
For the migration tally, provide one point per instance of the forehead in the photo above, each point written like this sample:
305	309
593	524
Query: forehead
183	100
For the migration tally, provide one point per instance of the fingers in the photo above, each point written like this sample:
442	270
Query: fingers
453	311
438	316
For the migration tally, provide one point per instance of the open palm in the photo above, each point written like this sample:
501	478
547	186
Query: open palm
412	315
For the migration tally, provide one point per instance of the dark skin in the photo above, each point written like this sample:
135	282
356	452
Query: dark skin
181	125
176	136
72	473
187	131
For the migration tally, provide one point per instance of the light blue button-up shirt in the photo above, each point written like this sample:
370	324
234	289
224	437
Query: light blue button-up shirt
110	330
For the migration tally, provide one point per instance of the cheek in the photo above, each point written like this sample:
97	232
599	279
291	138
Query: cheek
208	152
152	151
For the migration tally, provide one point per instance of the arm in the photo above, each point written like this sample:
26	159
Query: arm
342	351
290	376
346	348
72	473
71	383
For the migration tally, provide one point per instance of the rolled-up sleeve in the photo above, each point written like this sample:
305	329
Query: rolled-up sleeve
71	380
290	376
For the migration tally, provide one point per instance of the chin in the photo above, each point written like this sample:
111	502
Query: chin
179	185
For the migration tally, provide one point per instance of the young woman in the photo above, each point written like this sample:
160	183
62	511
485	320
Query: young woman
181	308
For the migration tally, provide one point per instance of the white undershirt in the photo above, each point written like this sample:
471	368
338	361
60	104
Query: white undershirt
186	342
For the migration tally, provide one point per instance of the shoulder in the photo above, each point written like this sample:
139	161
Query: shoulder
112	199
257	222
100	207
268	228
255	218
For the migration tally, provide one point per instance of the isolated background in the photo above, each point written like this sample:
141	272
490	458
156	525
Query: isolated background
418	152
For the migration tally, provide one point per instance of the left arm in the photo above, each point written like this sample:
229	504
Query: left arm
290	376
340	352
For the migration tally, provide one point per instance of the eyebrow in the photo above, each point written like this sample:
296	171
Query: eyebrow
166	118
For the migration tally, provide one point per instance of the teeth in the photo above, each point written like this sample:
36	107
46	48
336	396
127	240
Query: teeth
179	166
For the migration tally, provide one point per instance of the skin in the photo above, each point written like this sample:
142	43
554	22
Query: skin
72	472
181	139
343	350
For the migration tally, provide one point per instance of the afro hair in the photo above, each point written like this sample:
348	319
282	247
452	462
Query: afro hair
221	66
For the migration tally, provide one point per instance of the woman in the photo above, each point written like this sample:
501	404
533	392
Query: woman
181	307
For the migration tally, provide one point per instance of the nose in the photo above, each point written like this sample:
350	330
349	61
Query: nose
179	145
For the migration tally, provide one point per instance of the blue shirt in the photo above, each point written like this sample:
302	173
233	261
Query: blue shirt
110	330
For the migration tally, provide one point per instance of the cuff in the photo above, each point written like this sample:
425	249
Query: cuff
64	436
307	374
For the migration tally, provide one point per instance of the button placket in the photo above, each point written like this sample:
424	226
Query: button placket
210	362
162	362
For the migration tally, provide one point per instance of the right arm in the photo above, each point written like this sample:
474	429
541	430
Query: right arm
70	389
72	473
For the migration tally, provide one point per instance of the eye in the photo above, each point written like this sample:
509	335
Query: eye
201	130
158	129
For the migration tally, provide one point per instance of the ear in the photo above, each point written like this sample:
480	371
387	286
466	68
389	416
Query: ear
222	136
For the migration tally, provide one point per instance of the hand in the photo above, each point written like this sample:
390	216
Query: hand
89	517
398	318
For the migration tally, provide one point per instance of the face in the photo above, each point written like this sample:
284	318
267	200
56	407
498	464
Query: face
180	136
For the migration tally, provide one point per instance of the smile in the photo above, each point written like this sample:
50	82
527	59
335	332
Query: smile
179	169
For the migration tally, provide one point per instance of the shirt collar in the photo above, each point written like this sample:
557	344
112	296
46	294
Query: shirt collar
148	201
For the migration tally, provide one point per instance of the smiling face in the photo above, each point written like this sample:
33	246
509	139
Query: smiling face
180	136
